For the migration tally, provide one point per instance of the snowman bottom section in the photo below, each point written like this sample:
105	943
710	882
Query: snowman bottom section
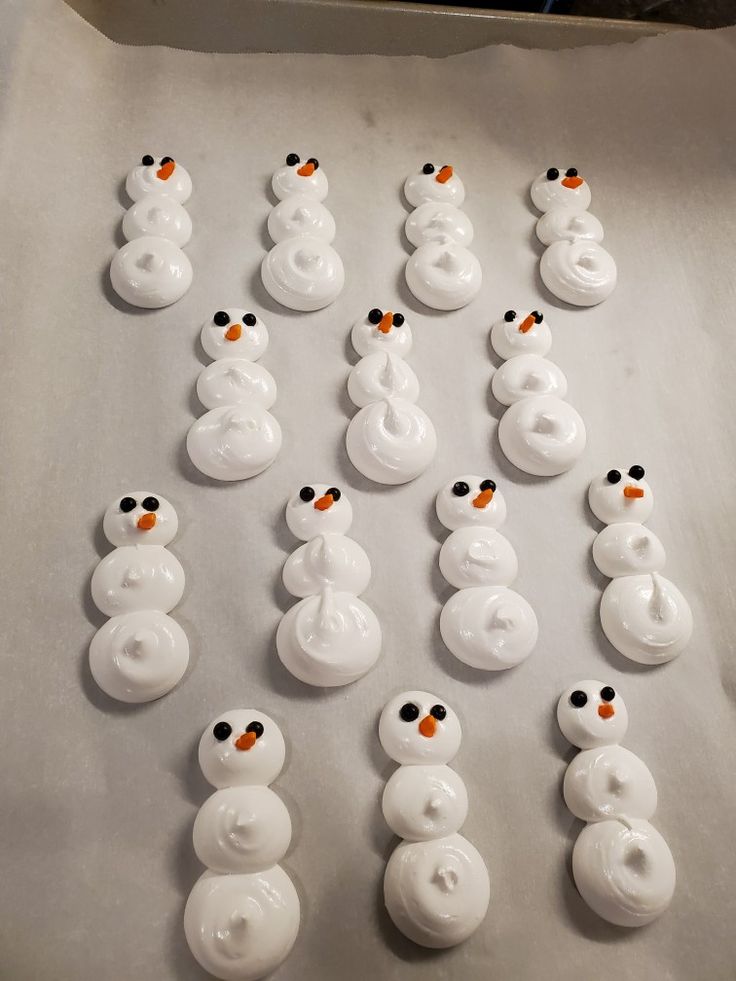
489	627
241	927
543	436
646	618
437	892
138	657
150	272
303	273
581	272
234	442
391	442
444	275
624	871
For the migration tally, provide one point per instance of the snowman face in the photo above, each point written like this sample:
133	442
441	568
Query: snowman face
621	495
234	333
384	331
560	189
241	748
416	727
140	518
434	183
471	500
318	509
161	175
592	714
300	177
521	333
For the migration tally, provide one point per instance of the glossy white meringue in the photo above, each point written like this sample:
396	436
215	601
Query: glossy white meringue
391	442
628	549
585	726
303	273
234	442
438	221
543	436
565	224
460	510
421	187
158	215
379	376
404	740
300	214
548	194
137	577
367	338
308	518
143	180
527	376
127	528
609	782
232	381
225	764
444	275
610	504
424	802
489	627
579	272
287	181
646	618
478	556
508	340
327	560
249	344
150	272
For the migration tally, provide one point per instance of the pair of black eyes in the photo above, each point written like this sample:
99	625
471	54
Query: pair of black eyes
149	503
148	160
636	473
293	159
308	493
222	319
375	316
223	730
578	698
553	173
461	489
510	316
430	168
410	712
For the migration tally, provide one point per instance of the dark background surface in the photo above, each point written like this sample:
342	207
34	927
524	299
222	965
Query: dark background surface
698	13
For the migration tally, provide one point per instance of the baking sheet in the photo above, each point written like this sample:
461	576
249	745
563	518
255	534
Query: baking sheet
99	799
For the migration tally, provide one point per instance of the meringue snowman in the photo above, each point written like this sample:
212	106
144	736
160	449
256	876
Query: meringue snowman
436	885
540	433
643	615
238	437
141	653
390	440
622	866
330	637
302	271
242	916
574	267
151	270
485	624
442	273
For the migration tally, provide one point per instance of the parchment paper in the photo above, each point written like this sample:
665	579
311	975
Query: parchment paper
98	799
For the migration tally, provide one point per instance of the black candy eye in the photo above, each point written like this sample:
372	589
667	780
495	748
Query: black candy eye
488	485
148	160
150	503
607	693
127	504
509	316
636	472
578	699
166	160
613	476
538	317
375	316
428	169
409	712
460	488
571	172
314	161
334	493
255	727
292	160
221	731
307	493
249	320
552	174
398	319
438	712
221	318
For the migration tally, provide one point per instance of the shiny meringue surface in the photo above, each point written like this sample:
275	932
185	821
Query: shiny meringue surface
609	782
150	272
367	338
478	556
580	272
137	577
404	740
646	618
242	829
438	221
527	376
543	436
236	338
391	442
508	339
287	181
444	275
143	180
566	224
301	214
382	375
327	560
489	627
235	381
424	802
303	273
234	442
158	215
551	194
420	187
627	549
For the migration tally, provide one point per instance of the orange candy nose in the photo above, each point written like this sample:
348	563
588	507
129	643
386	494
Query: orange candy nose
572	182
444	175
631	491
483	499
246	741
387	322
306	170
233	332
606	710
324	503
166	171
146	521
427	726
527	323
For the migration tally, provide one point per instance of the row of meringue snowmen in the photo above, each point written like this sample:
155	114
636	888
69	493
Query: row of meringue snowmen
485	624
243	914
574	267
140	653
302	271
442	273
540	433
622	866
390	439
237	437
330	637
152	270
643	614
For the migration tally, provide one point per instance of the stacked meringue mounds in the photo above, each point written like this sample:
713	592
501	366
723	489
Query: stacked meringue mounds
574	267
540	433
237	438
436	886
242	916
442	273
152	270
390	439
302	271
141	653
330	637
622	866
644	616
484	624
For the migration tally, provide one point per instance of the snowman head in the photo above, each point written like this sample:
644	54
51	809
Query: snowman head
434	182
382	330
557	188
521	333
234	333
621	495
161	175
471	500
592	714
416	727
318	509
241	748
300	177
140	518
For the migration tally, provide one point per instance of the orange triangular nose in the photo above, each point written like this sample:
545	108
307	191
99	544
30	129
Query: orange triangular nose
306	170
606	710
387	322
572	182
233	332
527	323
444	175
483	499
324	503
246	741
428	726
631	491
146	521
166	171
